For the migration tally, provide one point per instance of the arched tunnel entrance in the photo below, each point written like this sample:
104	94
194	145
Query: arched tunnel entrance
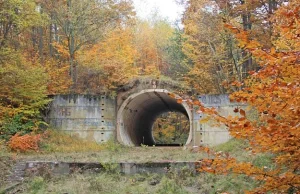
139	111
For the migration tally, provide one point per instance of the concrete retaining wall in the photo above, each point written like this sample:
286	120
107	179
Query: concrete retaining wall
94	118
58	168
211	132
89	117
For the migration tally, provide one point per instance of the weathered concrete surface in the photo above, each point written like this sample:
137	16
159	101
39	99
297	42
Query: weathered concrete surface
89	117
17	172
137	114
130	117
212	133
39	168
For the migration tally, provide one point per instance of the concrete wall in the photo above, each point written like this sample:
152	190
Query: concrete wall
211	132
94	118
89	117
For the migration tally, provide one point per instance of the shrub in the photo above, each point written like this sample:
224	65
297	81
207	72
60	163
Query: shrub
37	184
113	146
169	186
16	124
24	143
23	93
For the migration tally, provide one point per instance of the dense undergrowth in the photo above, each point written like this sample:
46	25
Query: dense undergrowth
57	141
50	141
111	181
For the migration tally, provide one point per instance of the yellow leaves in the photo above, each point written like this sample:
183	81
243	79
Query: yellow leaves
22	87
59	80
151	70
62	49
204	120
151	41
111	61
172	95
171	128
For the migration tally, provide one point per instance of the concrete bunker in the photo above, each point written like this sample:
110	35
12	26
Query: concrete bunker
139	111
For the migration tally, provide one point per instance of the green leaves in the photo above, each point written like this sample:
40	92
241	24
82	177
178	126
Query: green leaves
15	17
22	90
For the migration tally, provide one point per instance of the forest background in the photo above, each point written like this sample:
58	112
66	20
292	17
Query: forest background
249	49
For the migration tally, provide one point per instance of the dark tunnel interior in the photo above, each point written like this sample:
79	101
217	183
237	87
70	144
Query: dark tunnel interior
140	113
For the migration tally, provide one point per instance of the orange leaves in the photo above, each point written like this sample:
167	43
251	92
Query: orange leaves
242	112
273	92
109	63
171	128
172	95
179	101
28	142
197	102
62	49
232	28
59	79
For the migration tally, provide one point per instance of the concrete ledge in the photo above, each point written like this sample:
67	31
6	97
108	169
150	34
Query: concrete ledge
37	168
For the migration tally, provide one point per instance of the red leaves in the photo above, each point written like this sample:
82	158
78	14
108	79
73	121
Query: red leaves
24	143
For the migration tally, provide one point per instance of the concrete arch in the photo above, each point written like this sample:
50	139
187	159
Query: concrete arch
138	112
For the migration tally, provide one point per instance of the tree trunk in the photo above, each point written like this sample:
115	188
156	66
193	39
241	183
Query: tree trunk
71	44
247	25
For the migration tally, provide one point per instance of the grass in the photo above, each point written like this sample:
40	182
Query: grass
103	183
62	147
236	148
6	162
175	182
120	154
58	141
4	151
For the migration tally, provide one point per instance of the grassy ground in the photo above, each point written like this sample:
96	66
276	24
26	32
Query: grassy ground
64	148
124	154
7	161
179	182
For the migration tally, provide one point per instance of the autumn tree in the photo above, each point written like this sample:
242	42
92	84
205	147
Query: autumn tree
23	81
171	128
205	48
109	64
274	93
153	40
16	18
179	64
216	58
83	23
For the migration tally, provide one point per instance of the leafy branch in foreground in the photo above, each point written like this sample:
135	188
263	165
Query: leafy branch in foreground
274	92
